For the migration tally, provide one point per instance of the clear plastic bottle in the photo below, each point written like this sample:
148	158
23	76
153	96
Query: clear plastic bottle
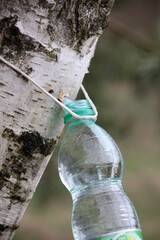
91	167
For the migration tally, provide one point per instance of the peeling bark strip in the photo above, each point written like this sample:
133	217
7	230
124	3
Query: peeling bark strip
70	22
53	41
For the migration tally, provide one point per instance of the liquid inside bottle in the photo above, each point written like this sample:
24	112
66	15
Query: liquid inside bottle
91	167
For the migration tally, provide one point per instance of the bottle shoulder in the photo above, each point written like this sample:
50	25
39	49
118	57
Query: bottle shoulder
92	140
85	126
88	154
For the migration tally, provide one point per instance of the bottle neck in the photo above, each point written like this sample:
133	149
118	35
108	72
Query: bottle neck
79	107
75	121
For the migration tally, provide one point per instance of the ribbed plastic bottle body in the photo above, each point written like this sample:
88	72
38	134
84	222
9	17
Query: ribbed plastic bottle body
101	210
91	166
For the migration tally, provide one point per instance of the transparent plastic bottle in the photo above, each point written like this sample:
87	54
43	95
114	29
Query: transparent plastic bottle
91	166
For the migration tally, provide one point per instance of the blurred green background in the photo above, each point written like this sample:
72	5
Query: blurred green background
124	83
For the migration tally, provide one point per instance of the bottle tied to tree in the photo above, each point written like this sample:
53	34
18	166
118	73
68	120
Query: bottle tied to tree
91	167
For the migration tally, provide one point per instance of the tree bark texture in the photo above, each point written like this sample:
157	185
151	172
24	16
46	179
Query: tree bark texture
53	42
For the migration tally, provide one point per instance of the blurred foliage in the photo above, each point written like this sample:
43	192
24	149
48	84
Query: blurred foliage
121	3
148	75
118	60
124	83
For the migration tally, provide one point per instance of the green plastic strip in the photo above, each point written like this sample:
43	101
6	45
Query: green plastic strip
124	235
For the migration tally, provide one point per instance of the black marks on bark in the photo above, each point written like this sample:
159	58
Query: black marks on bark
81	20
40	99
45	4
33	142
33	100
52	54
70	22
30	142
7	114
26	153
29	70
12	39
44	107
4	175
13	168
8	93
74	17
2	84
16	191
19	113
3	97
6	27
13	43
6	228
17	194
38	91
22	110
51	91
9	135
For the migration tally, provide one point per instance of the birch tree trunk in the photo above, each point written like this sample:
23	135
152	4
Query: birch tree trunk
53	42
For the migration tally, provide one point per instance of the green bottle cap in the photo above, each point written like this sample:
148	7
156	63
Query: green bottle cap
80	107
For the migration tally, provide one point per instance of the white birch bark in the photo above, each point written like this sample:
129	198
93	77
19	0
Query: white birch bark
53	42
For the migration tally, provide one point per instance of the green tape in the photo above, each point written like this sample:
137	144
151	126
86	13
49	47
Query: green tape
124	235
